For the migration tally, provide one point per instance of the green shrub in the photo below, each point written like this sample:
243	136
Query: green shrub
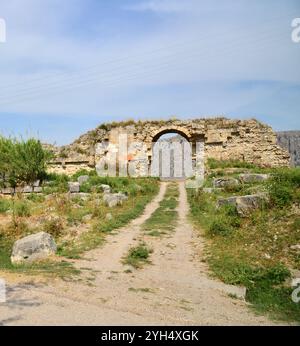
219	227
57	183
4	206
35	197
54	227
282	187
22	208
138	255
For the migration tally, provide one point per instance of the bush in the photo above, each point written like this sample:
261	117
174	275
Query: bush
4	205
219	226
57	183
282	187
138	255
37	198
53	226
22	208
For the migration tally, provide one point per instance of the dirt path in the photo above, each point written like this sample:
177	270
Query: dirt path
173	290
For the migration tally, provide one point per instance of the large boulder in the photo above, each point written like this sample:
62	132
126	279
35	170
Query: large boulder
34	247
253	178
245	205
74	187
225	182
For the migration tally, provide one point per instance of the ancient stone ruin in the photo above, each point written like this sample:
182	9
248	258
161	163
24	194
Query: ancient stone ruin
290	141
218	138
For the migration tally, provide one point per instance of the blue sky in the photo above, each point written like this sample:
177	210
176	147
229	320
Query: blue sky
69	65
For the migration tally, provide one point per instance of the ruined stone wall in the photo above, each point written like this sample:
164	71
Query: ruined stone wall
220	138
290	141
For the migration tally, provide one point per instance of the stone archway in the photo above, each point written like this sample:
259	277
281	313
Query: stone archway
171	154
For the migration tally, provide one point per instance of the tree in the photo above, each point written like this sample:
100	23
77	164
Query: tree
22	161
7	169
30	160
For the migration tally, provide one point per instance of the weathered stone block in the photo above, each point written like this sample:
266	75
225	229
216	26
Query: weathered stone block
105	188
114	199
225	182
7	191
32	248
253	178
74	187
226	201
244	204
27	189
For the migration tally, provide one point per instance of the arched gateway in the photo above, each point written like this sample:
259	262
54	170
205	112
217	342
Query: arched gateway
130	144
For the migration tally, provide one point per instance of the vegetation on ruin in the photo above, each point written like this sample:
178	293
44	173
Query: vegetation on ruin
256	252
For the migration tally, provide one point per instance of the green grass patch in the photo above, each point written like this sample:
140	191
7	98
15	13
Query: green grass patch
138	256
4	205
164	219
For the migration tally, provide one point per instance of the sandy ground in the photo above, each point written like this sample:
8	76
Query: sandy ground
174	289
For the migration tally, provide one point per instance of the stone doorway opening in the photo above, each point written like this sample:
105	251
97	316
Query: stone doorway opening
171	156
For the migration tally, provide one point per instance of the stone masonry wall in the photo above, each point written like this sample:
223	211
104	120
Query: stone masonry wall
221	138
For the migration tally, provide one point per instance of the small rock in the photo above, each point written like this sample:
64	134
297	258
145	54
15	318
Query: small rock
237	291
108	216
32	248
74	187
105	188
225	182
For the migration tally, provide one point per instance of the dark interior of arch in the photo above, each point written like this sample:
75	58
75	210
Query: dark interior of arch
164	132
